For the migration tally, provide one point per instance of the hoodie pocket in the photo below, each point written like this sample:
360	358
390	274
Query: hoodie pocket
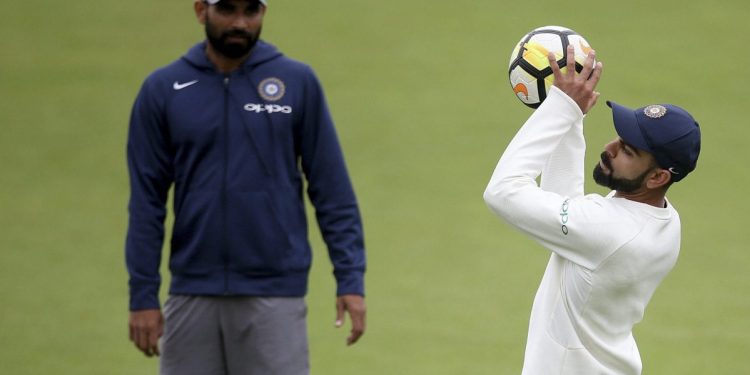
196	238
258	242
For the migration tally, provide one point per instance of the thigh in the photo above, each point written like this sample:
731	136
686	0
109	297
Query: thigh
191	343
265	335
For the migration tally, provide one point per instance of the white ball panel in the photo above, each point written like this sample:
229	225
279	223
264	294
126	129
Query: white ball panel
524	85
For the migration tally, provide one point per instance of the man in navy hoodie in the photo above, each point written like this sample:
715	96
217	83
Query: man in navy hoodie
234	126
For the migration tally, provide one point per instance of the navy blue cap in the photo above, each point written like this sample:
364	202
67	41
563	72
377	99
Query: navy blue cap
666	131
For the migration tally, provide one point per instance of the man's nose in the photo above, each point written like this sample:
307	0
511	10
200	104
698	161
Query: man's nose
240	23
611	149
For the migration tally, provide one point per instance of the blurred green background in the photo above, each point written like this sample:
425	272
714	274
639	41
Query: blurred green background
420	95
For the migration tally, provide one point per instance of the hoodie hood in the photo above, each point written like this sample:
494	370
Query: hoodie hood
261	53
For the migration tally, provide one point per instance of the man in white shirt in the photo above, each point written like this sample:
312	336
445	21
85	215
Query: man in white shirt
608	253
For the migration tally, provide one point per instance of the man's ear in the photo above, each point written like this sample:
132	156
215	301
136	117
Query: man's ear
200	8
658	178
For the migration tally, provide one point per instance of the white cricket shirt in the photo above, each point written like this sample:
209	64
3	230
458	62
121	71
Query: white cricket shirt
608	254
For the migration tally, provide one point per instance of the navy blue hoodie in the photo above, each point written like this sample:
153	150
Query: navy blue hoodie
236	148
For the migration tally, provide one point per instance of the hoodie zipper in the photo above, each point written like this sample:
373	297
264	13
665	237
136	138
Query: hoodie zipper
224	204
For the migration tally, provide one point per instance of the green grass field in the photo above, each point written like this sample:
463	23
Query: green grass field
420	95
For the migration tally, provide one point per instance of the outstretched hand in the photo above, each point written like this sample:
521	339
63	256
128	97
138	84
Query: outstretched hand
579	87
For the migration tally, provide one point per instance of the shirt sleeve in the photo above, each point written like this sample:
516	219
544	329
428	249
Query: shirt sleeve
150	171
563	172
549	144
331	192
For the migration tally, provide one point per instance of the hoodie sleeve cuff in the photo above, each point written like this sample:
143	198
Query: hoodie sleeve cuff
144	299
351	282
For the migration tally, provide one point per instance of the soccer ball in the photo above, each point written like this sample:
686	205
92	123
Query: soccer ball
529	71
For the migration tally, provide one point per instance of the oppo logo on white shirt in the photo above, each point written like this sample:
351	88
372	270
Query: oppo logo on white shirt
564	217
268	108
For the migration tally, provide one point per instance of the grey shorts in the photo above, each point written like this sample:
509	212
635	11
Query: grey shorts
234	335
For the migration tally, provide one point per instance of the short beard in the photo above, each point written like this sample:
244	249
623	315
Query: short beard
231	50
623	185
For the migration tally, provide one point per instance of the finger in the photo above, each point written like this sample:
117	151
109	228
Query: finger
354	337
588	64
571	60
594	98
143	344
140	341
339	312
590	101
153	342
596	74
358	326
555	68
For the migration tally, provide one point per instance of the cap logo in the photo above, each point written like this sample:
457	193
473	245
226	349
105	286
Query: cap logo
673	171
271	89
655	111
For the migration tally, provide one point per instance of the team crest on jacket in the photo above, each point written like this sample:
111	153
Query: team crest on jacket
271	89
